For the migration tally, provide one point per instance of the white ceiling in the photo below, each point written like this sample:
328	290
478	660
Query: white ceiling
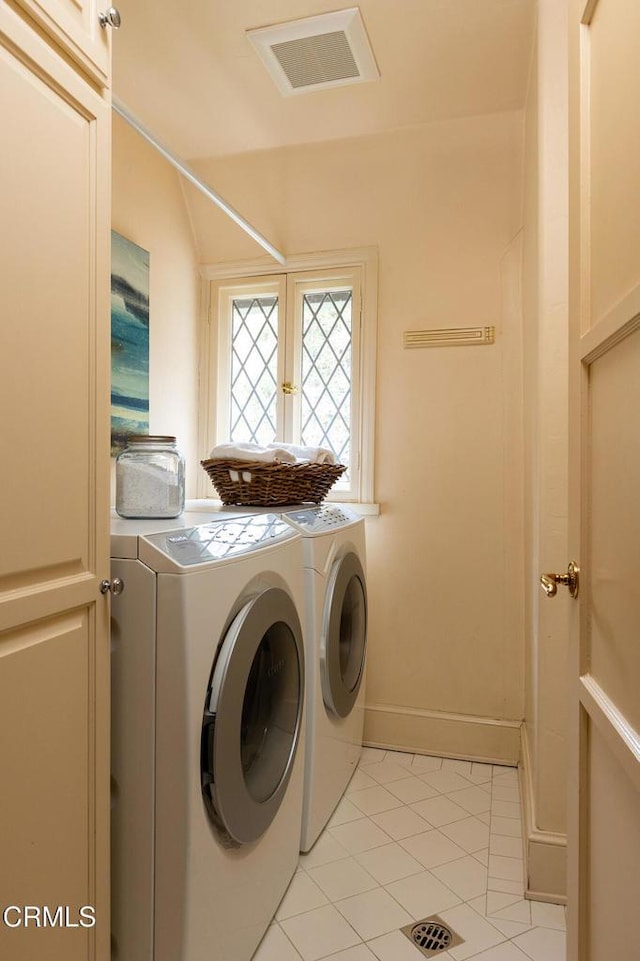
187	71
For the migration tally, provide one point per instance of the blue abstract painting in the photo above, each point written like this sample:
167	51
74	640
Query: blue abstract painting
129	341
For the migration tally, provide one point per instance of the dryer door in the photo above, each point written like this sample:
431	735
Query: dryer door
344	635
253	716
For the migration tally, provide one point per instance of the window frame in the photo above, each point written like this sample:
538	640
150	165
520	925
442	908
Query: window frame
269	285
300	283
221	282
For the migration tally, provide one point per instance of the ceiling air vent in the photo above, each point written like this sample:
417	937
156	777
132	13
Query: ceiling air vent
330	50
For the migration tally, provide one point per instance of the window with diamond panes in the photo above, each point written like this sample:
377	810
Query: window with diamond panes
254	370
325	416
288	361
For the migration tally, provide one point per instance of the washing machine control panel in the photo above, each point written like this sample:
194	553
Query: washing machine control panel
220	540
319	520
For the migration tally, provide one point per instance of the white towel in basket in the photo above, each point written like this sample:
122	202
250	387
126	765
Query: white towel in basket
312	455
273	454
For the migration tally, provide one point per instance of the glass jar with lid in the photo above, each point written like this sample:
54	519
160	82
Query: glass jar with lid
150	477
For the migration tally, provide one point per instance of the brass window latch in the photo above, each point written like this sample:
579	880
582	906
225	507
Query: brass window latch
289	388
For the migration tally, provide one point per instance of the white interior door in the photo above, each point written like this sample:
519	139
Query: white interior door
604	843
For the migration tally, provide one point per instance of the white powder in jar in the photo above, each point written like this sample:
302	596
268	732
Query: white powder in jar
147	490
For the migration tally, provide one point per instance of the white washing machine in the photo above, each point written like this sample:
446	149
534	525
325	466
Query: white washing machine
336	638
207	734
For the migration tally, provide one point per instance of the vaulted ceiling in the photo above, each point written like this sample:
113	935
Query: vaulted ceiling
188	72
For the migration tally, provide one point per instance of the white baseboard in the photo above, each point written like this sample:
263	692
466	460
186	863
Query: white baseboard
545	853
448	735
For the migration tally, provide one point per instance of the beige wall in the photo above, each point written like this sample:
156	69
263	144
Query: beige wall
443	205
148	208
545	305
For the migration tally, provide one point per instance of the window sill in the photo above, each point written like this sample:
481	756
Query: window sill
214	506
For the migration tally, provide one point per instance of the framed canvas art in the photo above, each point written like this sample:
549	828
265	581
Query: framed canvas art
129	341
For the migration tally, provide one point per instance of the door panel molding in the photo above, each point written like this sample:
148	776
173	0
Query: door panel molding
623	320
75	26
620	736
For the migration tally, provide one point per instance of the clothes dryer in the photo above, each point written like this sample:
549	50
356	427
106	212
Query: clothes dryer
208	736
336	639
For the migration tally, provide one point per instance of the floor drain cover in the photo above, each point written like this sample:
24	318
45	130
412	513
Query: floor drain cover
432	935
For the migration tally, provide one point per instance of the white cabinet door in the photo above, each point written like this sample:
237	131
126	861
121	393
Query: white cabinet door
604	821
75	26
54	375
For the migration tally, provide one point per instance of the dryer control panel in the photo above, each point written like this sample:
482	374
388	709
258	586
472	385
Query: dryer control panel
319	520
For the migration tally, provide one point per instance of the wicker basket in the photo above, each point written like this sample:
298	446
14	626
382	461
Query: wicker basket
257	484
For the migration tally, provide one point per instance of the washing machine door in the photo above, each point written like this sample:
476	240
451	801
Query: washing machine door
344	635
253	716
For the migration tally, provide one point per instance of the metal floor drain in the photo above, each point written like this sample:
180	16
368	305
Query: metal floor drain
432	935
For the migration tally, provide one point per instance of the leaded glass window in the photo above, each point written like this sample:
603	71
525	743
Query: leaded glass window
326	371
254	370
288	354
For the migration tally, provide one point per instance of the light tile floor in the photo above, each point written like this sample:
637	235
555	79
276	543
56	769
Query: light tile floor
415	836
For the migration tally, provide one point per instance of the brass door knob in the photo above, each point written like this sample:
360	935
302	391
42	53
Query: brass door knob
549	582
